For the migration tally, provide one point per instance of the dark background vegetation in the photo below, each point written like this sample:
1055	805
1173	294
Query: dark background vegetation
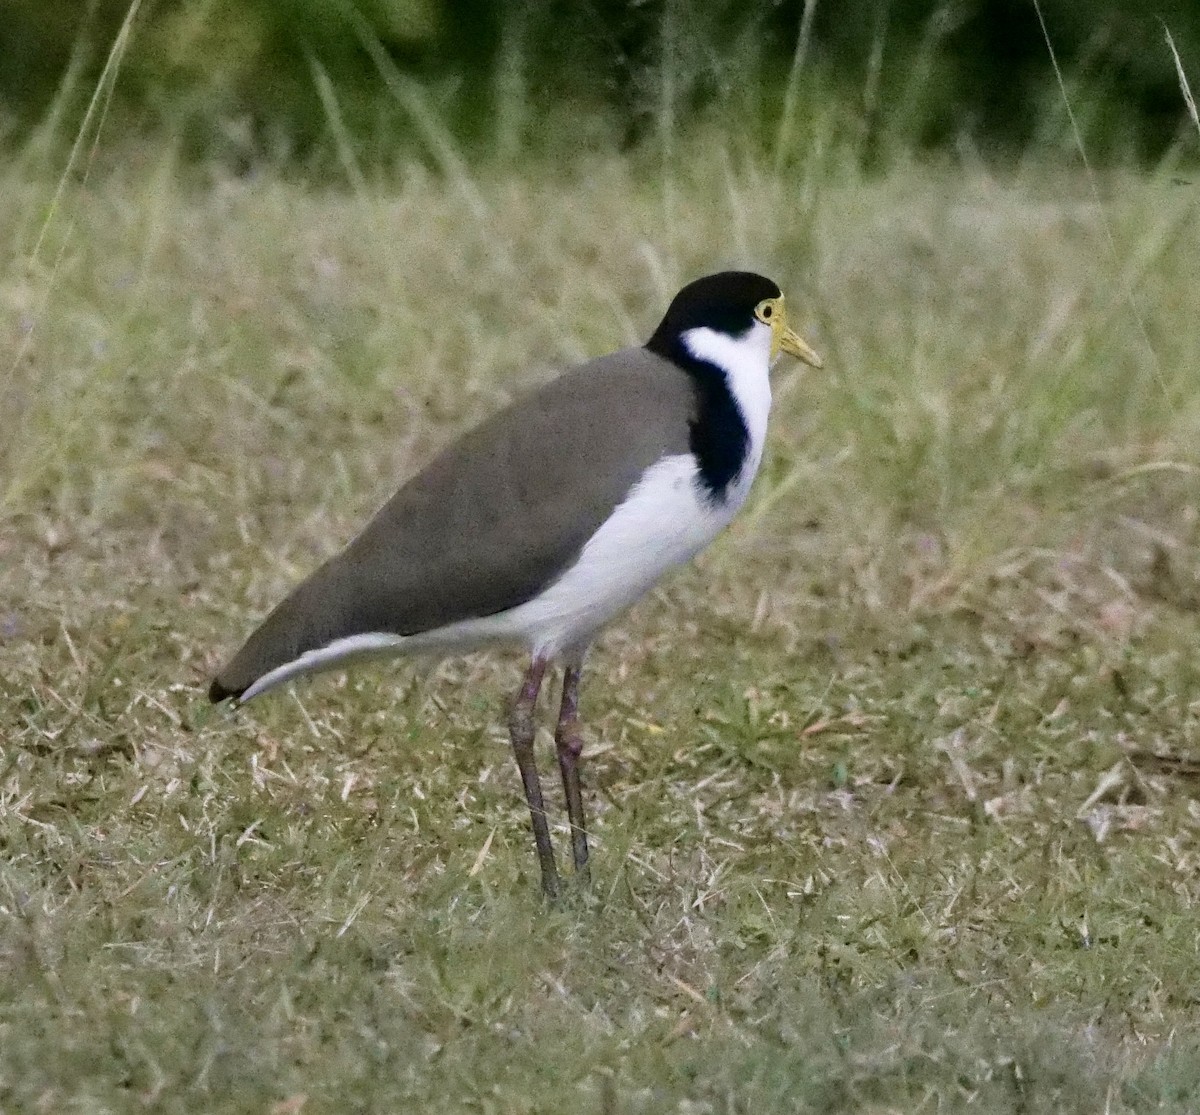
244	79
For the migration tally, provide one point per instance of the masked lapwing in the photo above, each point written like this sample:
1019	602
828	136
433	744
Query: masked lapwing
549	519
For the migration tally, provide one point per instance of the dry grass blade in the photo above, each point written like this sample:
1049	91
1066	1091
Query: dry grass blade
1114	255
1184	87
90	128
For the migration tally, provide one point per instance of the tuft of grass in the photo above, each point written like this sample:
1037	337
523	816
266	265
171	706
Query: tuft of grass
894	792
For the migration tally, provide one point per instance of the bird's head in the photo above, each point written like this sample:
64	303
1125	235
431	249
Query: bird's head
740	304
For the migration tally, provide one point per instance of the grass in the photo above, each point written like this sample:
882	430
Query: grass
894	792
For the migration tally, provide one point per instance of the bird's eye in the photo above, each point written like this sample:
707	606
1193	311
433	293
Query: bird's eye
764	311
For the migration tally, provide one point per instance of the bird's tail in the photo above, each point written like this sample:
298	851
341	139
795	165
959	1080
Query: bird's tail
309	630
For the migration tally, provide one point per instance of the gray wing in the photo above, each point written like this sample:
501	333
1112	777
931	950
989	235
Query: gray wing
493	519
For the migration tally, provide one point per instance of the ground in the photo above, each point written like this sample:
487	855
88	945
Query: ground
894	791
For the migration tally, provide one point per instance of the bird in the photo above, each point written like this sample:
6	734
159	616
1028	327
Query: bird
548	520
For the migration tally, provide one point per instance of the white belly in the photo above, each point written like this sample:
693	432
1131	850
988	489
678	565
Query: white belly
665	521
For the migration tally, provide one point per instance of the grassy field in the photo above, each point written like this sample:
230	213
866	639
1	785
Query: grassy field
895	791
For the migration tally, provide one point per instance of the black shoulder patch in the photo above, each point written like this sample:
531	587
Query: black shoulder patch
719	438
717	435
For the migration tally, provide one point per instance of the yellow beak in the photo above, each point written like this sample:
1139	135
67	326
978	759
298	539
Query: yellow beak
790	341
794	345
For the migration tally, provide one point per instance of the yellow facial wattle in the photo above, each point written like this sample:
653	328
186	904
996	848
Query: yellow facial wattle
771	312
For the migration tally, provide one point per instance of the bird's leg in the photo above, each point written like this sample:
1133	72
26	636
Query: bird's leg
569	742
521	728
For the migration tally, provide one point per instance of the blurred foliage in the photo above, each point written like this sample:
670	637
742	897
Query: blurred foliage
295	78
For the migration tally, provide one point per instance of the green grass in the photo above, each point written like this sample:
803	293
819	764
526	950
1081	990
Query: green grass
894	791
